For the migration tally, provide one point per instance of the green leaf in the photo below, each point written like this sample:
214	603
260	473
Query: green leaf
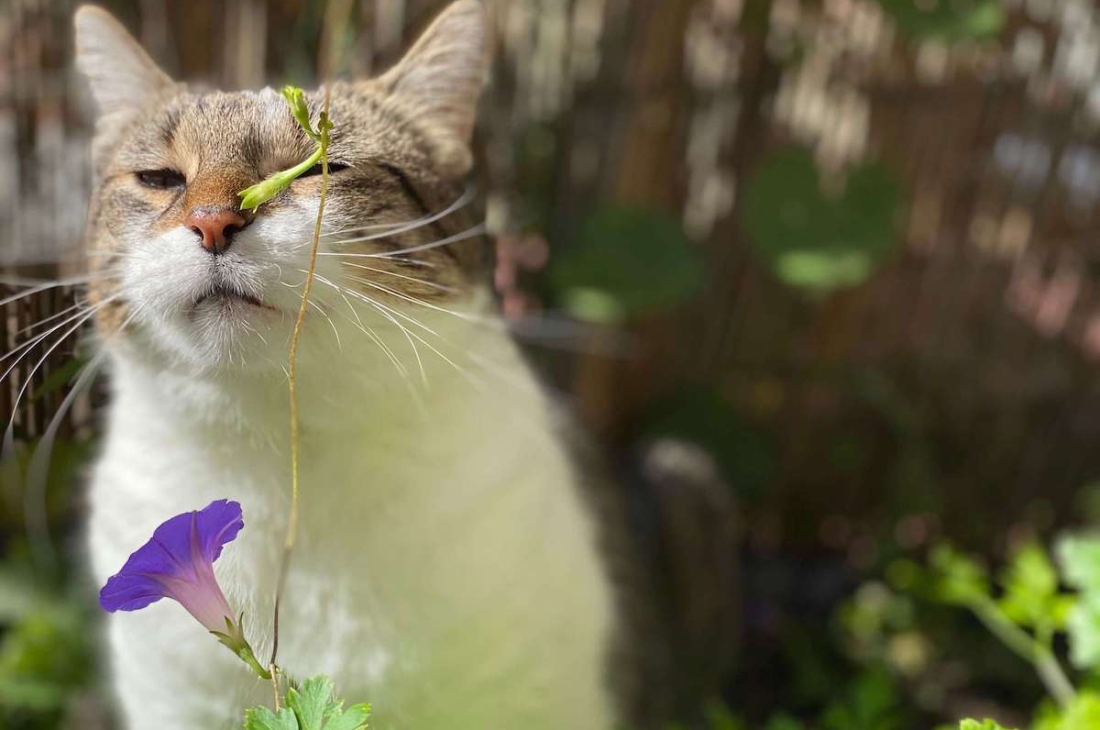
255	196
784	722
870	705
354	718
961	580
316	708
816	241
1031	587
947	21
261	718
626	262
1083	628
1083	713
313	702
719	717
1079	559
983	725
296	100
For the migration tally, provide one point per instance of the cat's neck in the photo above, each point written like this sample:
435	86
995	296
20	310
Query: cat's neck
434	378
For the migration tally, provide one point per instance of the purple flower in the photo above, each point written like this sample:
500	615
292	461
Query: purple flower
178	563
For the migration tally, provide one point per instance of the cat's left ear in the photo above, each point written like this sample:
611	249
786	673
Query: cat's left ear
122	76
441	77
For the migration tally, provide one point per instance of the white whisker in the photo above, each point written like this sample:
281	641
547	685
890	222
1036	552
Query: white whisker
425	282
465	199
478	230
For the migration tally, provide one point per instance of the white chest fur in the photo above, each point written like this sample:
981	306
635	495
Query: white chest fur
446	570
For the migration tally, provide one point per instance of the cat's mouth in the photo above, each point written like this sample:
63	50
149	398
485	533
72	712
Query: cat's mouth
223	294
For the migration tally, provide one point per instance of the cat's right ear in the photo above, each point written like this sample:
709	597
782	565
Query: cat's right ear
123	78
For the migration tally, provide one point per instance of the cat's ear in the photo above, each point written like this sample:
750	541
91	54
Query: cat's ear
441	79
123	78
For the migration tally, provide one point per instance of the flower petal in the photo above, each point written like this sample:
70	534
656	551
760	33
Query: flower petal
130	593
218	524
172	555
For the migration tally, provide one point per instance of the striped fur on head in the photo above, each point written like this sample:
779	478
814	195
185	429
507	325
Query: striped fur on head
162	151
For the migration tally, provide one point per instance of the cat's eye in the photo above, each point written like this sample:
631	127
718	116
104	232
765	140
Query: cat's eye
333	167
161	179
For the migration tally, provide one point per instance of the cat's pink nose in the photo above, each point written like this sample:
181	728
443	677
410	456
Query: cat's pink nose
215	227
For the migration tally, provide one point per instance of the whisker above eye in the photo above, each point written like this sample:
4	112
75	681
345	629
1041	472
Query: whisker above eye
413	262
479	230
425	282
397	228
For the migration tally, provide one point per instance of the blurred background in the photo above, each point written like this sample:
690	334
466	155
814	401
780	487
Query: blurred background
818	275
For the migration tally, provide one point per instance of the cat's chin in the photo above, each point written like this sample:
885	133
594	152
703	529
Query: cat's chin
222	301
225	333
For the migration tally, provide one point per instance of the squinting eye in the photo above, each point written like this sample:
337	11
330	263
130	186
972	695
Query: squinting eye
333	167
161	179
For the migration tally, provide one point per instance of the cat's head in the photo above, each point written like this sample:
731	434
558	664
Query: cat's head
181	271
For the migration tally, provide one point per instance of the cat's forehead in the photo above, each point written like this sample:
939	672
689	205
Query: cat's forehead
201	129
255	129
217	126
221	116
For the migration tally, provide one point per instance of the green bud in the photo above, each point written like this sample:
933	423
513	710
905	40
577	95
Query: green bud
233	639
255	196
296	98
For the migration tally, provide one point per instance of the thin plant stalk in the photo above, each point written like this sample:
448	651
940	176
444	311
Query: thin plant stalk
292	387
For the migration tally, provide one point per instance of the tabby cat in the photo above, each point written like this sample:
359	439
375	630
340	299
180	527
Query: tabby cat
448	568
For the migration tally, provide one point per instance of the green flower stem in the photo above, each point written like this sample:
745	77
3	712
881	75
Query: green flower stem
1038	653
259	194
233	638
255	196
249	658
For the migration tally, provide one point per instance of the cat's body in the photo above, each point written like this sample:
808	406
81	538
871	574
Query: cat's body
447	569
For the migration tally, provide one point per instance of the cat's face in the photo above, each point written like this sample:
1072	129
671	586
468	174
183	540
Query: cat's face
182	270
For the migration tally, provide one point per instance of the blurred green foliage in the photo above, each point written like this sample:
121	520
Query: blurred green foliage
975	725
626	262
1027	608
745	453
46	617
947	20
821	240
46	652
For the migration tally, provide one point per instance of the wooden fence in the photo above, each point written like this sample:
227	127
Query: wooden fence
972	351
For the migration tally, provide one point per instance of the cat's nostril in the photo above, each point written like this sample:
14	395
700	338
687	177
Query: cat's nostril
215	228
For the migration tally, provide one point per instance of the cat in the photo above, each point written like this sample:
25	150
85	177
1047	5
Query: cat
448	568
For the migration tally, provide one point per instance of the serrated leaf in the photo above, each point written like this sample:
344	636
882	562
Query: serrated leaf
313	702
354	718
261	718
1079	559
1031	586
1083	628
